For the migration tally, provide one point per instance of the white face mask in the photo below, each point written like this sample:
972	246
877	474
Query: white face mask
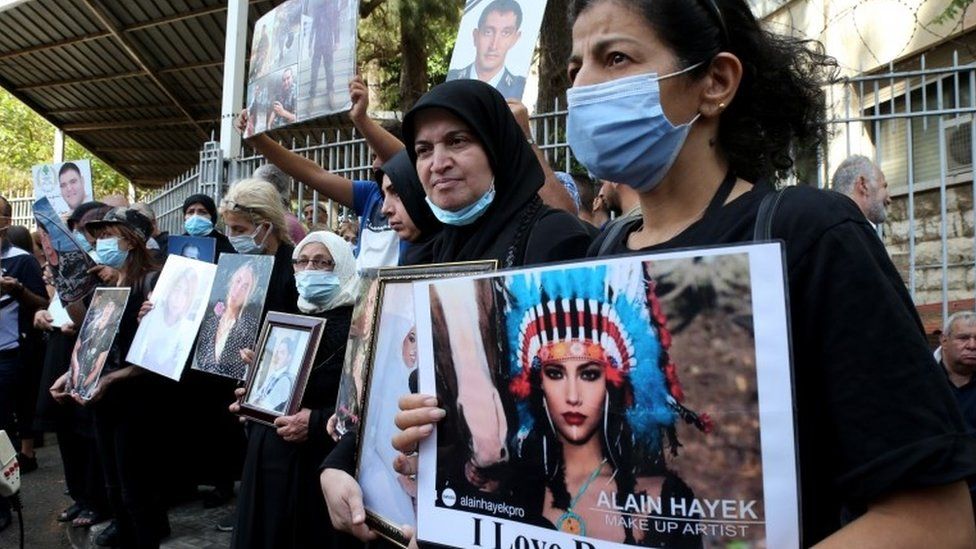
245	244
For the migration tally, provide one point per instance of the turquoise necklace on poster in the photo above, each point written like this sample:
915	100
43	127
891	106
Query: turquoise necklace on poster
570	522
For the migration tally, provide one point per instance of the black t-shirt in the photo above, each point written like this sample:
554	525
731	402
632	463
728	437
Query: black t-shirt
874	413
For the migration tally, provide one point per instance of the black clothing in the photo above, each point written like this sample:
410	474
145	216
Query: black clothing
516	229
281	503
966	398
874	415
132	435
403	176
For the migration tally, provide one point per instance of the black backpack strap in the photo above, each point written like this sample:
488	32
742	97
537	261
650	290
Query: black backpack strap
613	231
764	217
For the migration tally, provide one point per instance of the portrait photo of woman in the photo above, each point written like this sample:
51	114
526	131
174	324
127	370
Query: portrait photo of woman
233	318
95	340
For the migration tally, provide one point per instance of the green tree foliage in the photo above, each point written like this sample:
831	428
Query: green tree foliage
27	139
954	10
409	43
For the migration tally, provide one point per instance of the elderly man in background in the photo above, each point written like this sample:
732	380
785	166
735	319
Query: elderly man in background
865	184
958	342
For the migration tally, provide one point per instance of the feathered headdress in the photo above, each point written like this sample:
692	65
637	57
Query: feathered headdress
608	314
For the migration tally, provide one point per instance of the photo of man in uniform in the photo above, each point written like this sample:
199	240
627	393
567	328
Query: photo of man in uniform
283	109
498	30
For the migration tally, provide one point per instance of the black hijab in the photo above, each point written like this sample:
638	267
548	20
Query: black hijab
503	229
403	176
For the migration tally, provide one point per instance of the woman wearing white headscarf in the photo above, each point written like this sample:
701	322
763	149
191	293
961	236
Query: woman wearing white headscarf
280	504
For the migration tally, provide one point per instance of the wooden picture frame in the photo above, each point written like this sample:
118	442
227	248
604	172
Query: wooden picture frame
386	502
275	374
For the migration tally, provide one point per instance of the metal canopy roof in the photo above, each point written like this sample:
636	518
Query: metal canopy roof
136	82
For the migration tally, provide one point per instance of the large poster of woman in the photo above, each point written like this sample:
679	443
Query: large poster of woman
233	316
638	401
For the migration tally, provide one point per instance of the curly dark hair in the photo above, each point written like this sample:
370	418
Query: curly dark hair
779	105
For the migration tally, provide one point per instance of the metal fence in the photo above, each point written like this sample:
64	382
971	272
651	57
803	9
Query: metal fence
918	126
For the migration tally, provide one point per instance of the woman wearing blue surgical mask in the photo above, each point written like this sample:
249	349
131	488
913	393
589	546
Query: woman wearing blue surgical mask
694	105
280	504
482	180
127	402
200	219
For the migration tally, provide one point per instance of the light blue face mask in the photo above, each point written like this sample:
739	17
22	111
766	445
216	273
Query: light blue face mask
316	286
466	215
83	242
109	253
197	225
619	132
245	244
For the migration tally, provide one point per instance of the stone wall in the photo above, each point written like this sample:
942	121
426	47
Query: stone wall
928	243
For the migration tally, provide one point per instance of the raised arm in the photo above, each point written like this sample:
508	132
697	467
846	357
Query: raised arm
328	184
383	143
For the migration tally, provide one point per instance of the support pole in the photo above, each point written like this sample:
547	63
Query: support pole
233	94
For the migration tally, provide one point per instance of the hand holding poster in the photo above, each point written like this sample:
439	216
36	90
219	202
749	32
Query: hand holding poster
611	404
303	54
166	334
496	42
66	185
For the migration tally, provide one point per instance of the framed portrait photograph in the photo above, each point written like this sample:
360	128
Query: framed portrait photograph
202	248
634	401
349	400
166	334
284	356
95	339
233	316
390	372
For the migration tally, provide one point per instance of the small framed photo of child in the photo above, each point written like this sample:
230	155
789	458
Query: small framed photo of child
285	355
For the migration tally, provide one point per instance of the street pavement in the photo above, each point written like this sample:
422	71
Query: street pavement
43	497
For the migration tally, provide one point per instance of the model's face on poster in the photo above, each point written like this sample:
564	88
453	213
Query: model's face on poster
575	392
241	284
451	163
72	188
107	311
493	40
181	297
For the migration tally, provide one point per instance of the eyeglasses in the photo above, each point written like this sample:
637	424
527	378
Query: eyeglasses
317	264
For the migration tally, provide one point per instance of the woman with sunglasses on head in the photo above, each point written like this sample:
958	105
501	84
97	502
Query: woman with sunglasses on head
127	402
281	505
694	105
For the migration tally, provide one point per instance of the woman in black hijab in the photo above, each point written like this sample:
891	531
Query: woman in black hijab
405	207
482	180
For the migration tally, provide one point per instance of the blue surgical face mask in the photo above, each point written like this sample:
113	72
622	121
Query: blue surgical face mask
197	225
83	242
466	215
109	253
245	244
316	286
619	132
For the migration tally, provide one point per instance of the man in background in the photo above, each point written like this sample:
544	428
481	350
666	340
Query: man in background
864	183
958	342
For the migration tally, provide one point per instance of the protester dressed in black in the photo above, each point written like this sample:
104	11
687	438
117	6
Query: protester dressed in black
281	503
516	228
879	437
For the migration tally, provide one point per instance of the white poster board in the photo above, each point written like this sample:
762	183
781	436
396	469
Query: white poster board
166	334
66	184
654	398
